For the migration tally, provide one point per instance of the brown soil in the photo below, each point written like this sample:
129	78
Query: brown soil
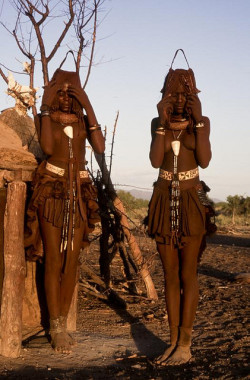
114	343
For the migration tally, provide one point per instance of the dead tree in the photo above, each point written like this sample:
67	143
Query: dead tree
78	15
115	224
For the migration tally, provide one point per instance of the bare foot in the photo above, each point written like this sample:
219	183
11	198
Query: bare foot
62	342
181	355
71	340
162	358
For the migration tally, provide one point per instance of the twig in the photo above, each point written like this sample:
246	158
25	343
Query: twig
112	145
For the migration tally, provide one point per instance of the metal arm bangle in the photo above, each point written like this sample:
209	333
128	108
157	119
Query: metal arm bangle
162	126
45	113
93	130
94	127
201	124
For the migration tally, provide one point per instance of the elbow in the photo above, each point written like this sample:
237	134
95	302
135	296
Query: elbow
205	162
155	163
48	150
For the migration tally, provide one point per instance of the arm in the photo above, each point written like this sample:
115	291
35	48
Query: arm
202	147
203	152
95	136
45	134
157	148
46	138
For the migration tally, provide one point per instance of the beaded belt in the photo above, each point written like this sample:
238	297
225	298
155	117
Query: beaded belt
182	176
59	171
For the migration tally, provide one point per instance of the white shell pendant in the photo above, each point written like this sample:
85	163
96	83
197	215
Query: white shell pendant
68	131
176	147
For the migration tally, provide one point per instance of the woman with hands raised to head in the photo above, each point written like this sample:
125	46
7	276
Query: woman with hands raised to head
63	208
178	208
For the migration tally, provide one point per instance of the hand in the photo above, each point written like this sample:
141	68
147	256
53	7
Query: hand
80	95
193	106
49	93
165	109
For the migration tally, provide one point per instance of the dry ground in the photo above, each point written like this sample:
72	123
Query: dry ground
114	343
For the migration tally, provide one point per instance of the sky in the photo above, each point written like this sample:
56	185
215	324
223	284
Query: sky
136	42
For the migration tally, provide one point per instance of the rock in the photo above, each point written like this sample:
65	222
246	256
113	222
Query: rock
25	129
12	154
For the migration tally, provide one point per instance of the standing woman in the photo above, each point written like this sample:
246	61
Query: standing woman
63	208
177	210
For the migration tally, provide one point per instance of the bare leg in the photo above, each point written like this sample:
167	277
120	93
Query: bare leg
68	279
59	287
189	301
53	265
170	263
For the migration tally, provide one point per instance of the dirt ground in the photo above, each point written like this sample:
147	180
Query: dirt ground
116	343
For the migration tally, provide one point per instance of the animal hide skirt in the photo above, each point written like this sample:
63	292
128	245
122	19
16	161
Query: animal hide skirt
192	216
50	192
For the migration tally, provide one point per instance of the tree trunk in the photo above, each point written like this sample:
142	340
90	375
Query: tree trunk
14	271
136	252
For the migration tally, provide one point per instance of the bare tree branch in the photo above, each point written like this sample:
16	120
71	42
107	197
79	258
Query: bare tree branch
3	75
112	144
93	43
67	26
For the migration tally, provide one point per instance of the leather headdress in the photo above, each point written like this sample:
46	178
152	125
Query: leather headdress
62	76
185	77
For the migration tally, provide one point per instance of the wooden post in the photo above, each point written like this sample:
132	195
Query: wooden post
14	271
3	196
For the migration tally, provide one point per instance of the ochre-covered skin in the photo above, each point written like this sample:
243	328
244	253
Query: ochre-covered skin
63	102
179	102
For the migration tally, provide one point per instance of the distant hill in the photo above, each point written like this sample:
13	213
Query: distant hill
141	194
146	194
216	200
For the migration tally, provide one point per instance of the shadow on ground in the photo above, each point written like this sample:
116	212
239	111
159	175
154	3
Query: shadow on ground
229	240
138	368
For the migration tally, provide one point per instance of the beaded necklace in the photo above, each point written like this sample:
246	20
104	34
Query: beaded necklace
175	190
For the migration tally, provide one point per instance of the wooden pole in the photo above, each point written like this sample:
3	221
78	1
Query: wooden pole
3	196
14	271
